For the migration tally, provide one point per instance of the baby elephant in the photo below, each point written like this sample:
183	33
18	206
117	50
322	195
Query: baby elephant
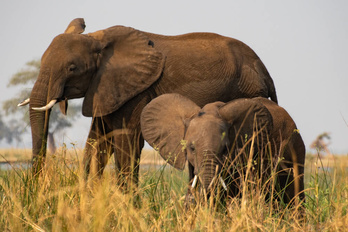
225	143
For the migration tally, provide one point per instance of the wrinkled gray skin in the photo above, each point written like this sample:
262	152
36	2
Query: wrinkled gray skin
119	70
211	139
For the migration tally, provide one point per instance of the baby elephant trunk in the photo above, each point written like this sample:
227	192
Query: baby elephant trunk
210	170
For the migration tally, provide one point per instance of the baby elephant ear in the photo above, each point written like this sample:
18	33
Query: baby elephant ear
244	114
163	126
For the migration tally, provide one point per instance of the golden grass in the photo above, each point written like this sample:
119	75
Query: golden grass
148	156
15	155
61	200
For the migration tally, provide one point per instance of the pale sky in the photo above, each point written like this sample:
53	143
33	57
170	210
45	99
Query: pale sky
304	45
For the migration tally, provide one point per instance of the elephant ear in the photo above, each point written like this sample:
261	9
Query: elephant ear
128	64
163	124
77	26
245	117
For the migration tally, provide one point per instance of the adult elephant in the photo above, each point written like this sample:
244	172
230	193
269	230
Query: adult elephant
119	70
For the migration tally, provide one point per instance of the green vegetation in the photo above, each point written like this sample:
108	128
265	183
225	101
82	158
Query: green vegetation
61	200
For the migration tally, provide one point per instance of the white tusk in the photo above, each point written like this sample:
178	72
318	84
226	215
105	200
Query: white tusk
194	182
46	107
25	102
223	183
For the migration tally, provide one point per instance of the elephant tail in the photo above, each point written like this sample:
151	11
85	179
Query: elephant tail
271	90
261	69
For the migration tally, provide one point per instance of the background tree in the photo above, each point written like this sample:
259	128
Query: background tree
321	144
24	80
9	131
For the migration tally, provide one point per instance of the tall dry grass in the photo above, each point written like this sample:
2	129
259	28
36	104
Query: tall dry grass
61	200
15	155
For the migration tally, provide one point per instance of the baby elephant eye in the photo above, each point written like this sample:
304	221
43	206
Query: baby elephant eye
72	67
192	147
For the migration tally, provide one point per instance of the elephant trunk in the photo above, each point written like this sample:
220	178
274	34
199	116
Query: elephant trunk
210	169
39	121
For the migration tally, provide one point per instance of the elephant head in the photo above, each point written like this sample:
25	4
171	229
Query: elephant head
107	68
180	131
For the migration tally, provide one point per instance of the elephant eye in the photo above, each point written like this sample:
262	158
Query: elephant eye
72	67
192	147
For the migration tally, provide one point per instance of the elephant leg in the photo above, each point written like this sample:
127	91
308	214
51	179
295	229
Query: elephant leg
291	176
128	139
128	146
98	148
